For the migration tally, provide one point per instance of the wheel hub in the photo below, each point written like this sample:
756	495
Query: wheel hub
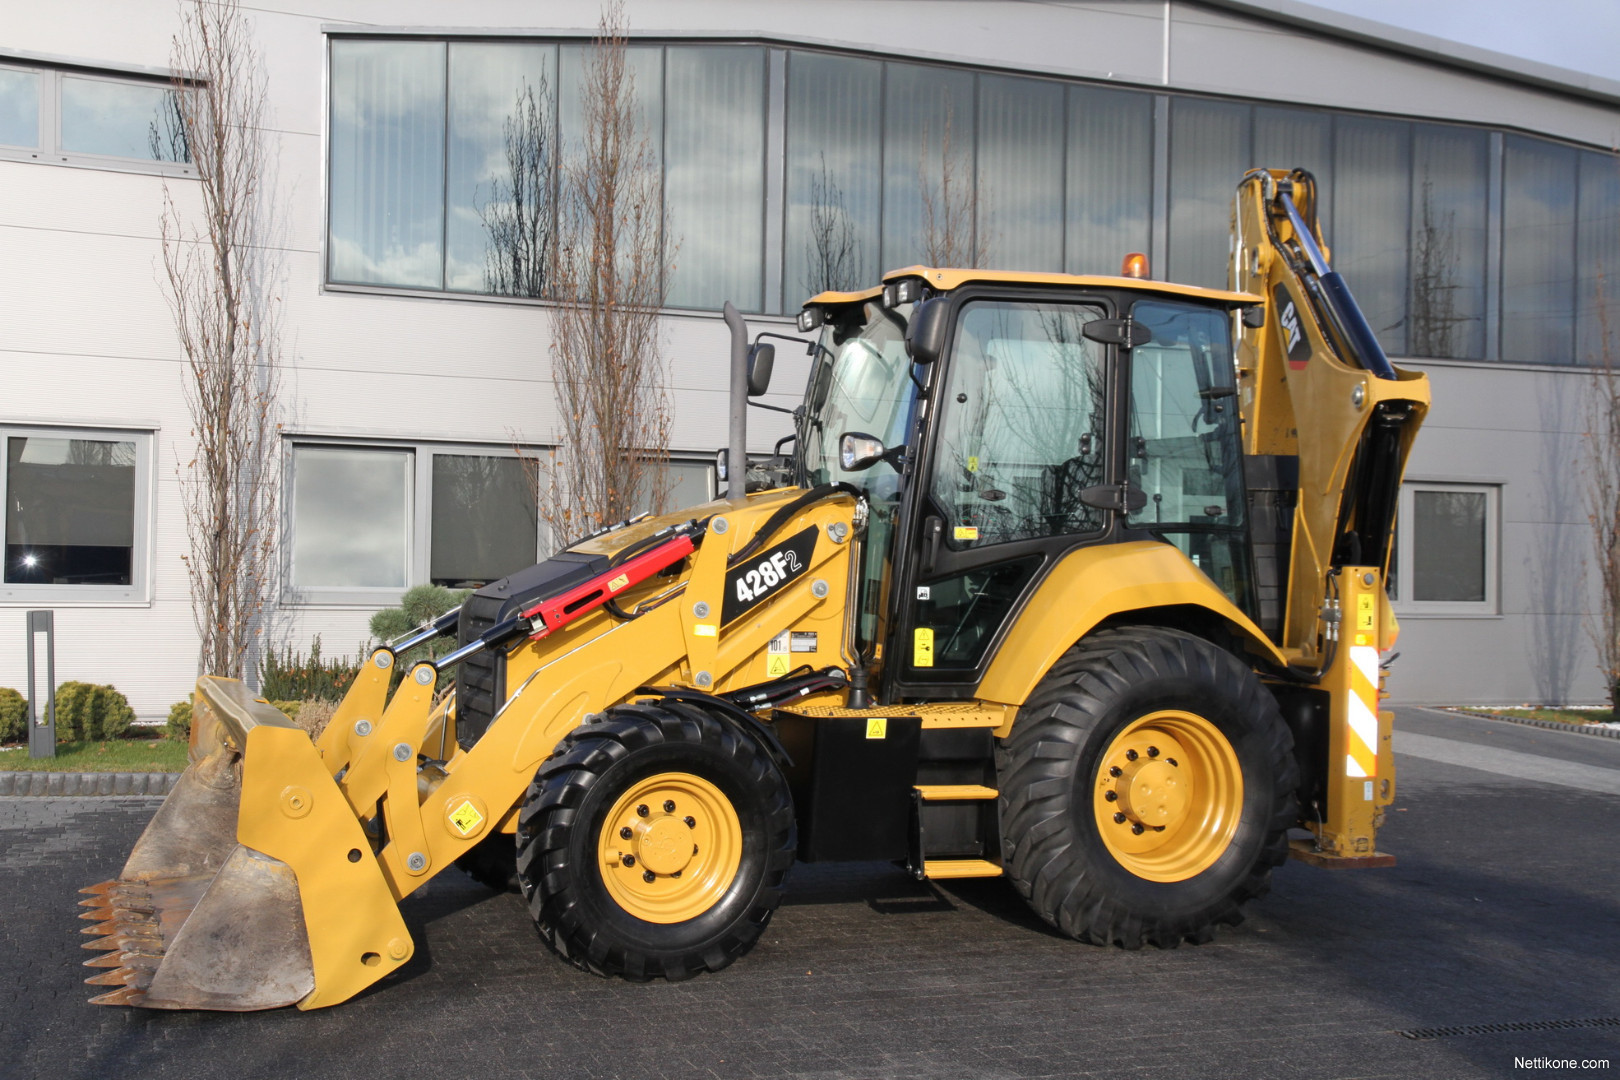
1168	795
1153	794
665	845
670	847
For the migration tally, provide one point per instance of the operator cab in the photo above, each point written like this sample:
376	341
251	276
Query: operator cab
997	422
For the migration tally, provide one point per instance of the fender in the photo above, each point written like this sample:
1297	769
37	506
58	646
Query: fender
1090	585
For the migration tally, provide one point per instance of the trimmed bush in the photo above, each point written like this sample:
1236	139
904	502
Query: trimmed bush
179	724
13	715
86	711
290	676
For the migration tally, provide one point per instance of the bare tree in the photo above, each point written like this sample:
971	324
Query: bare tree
1603	498
833	255
225	314
609	278
518	215
956	227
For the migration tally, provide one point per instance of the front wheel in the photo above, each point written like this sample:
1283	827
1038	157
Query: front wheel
655	843
1147	789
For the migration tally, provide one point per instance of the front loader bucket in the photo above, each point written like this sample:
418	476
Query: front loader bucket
204	914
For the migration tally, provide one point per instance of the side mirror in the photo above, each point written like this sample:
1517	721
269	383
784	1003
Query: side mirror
858	451
761	357
925	333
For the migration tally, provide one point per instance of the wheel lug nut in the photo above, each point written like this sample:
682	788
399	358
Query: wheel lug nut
1130	755
678	873
1137	829
1115	770
1172	762
648	876
1153	751
694	849
629	860
1119	819
669	806
642	810
691	823
1110	795
625	833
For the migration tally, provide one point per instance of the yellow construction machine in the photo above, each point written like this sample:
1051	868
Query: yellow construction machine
1073	580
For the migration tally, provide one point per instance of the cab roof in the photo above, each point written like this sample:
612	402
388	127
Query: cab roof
946	279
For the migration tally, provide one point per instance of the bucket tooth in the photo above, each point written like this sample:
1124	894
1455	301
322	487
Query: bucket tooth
127	995
99	915
106	960
118	977
96	902
98	889
103	944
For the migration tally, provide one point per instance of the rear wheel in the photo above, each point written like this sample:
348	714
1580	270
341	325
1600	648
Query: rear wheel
655	843
1148	789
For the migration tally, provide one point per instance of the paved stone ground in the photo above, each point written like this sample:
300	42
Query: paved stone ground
1503	909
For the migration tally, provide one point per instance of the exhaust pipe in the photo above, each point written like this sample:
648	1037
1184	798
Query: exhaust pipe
737	447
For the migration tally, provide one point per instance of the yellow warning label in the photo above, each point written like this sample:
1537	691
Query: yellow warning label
618	583
973	463
922	647
1364	611
706	630
877	727
777	664
466	818
967	532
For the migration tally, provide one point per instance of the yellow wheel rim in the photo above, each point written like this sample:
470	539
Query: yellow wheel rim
670	848
1167	795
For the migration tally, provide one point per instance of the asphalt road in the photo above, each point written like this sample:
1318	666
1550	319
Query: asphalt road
1502	911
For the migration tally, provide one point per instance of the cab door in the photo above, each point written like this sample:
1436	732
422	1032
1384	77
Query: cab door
1020	428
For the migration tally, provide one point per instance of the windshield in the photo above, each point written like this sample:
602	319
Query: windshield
861	382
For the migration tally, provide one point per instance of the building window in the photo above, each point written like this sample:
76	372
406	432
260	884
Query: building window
1446	550
74	515
91	118
366	522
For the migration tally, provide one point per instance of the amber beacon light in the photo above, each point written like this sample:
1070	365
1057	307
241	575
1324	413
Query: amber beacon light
1134	266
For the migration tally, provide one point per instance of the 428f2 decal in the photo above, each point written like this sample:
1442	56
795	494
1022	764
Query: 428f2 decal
751	582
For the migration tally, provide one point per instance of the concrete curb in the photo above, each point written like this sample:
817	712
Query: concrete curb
1530	721
79	785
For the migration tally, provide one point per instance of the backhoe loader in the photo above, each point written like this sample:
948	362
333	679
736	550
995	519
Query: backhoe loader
1072	580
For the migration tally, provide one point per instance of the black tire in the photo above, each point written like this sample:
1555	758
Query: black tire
1052	844
563	816
492	862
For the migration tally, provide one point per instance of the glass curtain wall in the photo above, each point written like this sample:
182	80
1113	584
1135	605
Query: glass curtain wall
834	174
1108	205
387	175
714	182
1209	151
1597	261
445	157
1538	235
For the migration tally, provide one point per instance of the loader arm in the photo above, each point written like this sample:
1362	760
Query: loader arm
272	875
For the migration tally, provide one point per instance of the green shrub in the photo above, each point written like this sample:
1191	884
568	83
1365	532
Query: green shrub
86	711
13	715
293	677
179	723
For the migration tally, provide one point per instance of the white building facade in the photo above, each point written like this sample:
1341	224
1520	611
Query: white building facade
1471	201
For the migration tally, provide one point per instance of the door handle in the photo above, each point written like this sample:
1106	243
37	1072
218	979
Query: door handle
933	529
